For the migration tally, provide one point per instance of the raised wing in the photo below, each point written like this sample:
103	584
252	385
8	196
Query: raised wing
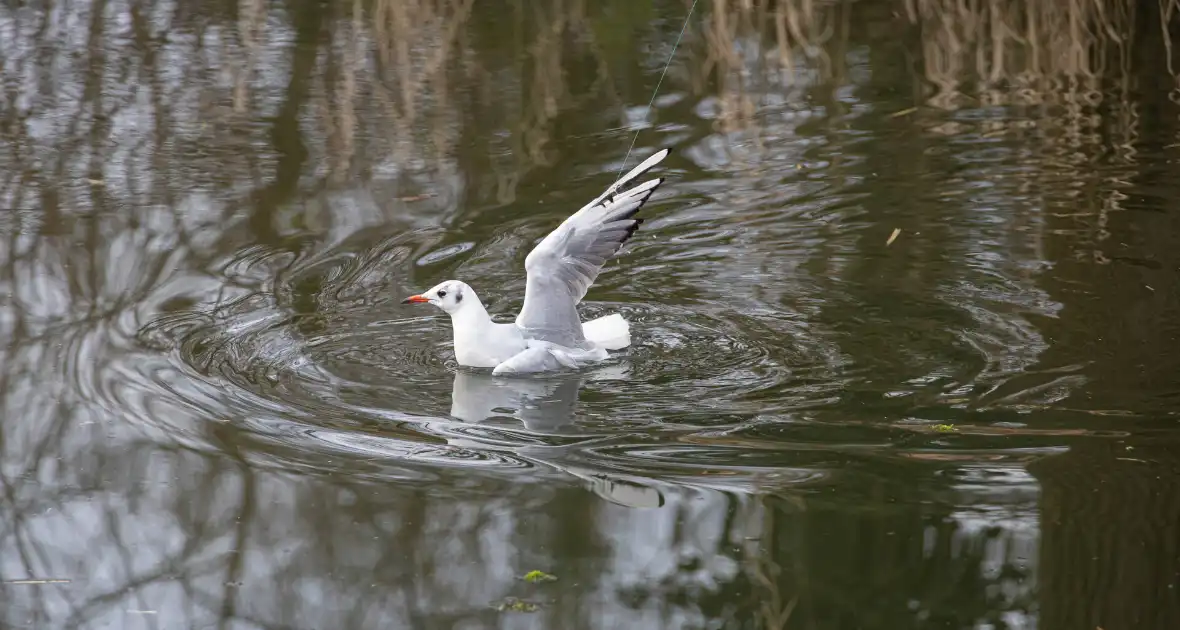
565	263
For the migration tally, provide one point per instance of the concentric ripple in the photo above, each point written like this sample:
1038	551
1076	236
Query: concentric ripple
751	306
322	342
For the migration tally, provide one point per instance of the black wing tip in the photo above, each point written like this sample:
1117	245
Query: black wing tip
633	228
637	221
631	231
659	181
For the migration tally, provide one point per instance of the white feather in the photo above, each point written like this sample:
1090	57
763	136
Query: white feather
611	332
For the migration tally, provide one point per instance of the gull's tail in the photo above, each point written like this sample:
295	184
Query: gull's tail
610	333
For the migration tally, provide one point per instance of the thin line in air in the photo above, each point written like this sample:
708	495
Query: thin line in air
658	83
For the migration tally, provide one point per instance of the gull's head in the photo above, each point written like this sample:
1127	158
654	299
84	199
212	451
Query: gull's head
451	296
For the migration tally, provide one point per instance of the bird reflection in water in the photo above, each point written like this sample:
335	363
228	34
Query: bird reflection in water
548	405
542	404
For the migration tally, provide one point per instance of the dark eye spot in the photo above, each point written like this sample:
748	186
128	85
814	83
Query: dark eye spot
459	296
442	294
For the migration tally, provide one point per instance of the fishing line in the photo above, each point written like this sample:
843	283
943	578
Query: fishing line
658	83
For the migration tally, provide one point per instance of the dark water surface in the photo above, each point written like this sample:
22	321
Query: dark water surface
216	413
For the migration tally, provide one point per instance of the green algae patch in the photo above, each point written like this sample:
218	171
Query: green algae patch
536	577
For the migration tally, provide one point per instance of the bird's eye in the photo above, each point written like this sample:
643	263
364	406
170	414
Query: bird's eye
442	294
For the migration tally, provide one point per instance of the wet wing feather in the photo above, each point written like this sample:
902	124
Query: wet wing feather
563	266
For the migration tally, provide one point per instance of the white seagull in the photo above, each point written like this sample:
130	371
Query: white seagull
548	334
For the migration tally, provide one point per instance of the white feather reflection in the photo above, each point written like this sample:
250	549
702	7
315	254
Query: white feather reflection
546	405
542	404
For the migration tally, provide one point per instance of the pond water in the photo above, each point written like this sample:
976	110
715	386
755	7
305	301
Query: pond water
905	316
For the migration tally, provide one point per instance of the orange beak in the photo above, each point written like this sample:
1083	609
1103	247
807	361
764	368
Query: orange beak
415	299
